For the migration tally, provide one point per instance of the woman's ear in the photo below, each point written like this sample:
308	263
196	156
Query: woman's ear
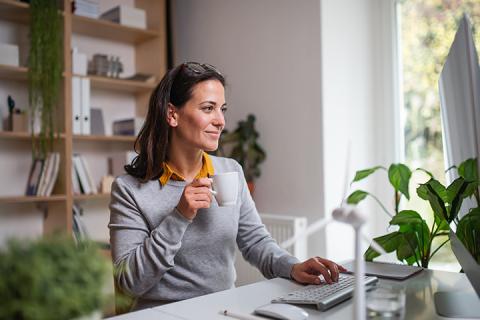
172	115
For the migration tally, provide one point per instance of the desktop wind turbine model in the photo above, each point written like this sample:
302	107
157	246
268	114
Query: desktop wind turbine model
353	217
349	215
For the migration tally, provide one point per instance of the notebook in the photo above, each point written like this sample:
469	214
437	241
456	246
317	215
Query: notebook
387	270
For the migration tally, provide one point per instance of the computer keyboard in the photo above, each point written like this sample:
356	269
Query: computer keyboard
324	295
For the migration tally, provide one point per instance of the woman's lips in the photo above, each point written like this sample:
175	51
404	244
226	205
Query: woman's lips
215	134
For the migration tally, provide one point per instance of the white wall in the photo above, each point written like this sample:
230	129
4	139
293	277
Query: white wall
357	71
312	73
270	53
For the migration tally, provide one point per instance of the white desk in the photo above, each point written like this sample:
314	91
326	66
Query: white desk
419	304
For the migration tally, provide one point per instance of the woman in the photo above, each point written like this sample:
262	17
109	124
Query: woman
170	239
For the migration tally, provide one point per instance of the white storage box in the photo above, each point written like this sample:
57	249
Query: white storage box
127	16
9	54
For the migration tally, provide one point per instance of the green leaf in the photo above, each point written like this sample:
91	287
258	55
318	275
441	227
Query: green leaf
388	242
439	189
408	217
356	196
426	171
412	225
411	260
436	195
422	192
362	174
456	192
407	246
441	223
468	231
468	169
399	176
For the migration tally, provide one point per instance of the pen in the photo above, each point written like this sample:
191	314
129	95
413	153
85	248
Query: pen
240	316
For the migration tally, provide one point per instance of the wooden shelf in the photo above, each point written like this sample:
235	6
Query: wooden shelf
9	135
99	196
13	73
14	11
120	85
109	30
32	199
104	138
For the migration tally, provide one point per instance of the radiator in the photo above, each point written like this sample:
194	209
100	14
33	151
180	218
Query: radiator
281	228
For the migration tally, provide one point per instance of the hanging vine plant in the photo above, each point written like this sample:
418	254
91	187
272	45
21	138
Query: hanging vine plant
45	63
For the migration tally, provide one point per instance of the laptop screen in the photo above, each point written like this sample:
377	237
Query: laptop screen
468	263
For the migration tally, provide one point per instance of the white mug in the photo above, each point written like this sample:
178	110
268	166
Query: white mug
225	188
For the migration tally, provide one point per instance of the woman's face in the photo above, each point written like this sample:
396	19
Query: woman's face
201	120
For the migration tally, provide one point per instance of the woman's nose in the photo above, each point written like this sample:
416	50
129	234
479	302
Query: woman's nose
219	119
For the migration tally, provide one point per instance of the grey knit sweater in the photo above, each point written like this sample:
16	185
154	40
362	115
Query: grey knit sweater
167	257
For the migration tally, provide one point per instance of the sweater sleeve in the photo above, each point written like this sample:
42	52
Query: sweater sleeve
141	257
255	242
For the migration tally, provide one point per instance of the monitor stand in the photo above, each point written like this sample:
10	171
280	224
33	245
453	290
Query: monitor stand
457	305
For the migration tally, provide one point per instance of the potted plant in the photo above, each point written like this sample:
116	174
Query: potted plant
244	147
45	64
413	239
51	278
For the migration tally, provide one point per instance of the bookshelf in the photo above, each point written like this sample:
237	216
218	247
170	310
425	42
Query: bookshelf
149	56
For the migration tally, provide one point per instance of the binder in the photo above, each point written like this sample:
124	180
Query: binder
76	105
85	105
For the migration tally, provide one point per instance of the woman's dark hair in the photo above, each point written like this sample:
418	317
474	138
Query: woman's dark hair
176	87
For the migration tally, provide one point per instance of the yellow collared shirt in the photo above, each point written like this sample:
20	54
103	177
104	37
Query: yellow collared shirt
206	171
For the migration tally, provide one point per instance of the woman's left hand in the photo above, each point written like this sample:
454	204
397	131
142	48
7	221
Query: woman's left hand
308	272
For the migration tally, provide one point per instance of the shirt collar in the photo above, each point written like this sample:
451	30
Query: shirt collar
207	170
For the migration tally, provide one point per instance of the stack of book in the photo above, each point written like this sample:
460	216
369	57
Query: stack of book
82	178
86	8
127	16
43	175
127	127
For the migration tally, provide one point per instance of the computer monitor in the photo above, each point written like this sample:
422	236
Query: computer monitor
459	88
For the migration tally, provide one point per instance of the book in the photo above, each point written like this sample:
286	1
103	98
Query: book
91	182
127	16
45	176
387	270
34	177
97	125
82	175
127	127
54	174
75	181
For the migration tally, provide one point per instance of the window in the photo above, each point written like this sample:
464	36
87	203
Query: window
427	30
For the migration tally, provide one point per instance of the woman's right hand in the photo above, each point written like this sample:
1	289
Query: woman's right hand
196	195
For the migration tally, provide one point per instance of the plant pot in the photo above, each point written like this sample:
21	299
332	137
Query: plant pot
251	186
